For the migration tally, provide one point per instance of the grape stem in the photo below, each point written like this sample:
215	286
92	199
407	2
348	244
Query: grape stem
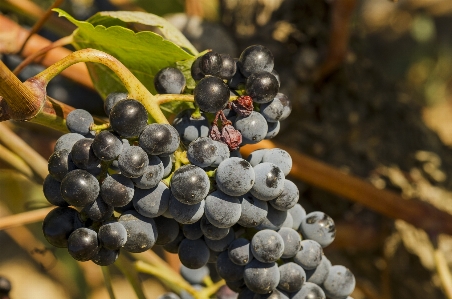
23	218
167	98
126	267
107	280
98	128
134	87
174	283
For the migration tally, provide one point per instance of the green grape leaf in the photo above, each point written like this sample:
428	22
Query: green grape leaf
121	18
143	53
185	67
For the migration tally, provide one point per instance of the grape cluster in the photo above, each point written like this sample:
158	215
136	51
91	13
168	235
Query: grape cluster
125	188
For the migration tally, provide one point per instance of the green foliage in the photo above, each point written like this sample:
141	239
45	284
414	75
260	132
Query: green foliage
185	67
143	53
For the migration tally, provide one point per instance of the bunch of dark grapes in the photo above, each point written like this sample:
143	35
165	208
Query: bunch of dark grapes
120	188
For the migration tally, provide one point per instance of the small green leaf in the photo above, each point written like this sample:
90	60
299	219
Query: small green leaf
185	67
167	29
143	53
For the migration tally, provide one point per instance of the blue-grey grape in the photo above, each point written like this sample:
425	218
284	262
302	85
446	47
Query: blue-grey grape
211	94
309	291
79	188
267	246
261	278
133	162
262	87
210	63
227	269
212	232
288	222
194	276
128	118
221	244
319	227
222	210
59	224
274	220
292	277
288	198
152	175
168	230
256	156
66	142
235	176
190	184
253	127
169	80
141	231
112	235
82	244
159	139
190	128
152	202
117	190
222	153
318	275
310	255
276	110
82	154
228	67
106	146
105	257
254	211
256	58
112	99
292	242
183	213
60	164
339	282
193	254
298	213
279	157
52	193
167	162
269	182
98	210
240	252
202	152
192	231
273	130
79	121
173	247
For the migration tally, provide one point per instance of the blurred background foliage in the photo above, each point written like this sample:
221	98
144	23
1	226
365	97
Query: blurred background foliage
371	86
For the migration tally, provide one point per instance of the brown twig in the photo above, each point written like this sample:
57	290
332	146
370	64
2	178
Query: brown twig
15	162
12	36
24	151
42	19
59	43
342	12
24	218
31	10
390	204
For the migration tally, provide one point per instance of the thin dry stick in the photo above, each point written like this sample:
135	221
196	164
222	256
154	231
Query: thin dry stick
40	22
24	218
40	254
23	150
420	214
34	11
15	162
443	270
59	43
107	280
78	73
